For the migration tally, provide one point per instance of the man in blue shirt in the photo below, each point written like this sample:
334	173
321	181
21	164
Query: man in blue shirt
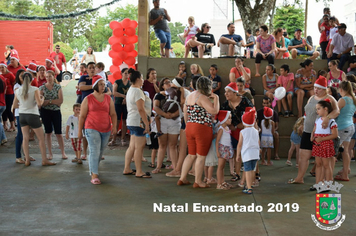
230	43
300	46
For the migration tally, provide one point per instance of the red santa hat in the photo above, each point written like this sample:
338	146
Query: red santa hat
267	113
2	63
232	86
321	82
16	57
249	117
32	67
50	59
96	79
223	116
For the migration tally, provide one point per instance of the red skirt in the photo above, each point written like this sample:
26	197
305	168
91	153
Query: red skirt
323	149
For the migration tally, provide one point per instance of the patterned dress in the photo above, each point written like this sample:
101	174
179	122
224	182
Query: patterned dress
324	149
266	135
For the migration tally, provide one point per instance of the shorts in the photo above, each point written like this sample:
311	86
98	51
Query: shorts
164	37
290	92
305	142
305	91
295	138
136	130
346	134
234	143
121	111
226	152
59	76
31	120
199	138
77	144
224	49
265	91
183	124
154	141
51	120
308	53
354	135
250	165
170	126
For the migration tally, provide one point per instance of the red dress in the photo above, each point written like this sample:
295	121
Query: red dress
324	149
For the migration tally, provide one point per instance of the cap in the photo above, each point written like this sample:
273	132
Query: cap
342	26
297	30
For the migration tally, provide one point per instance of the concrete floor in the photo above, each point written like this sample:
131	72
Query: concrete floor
60	200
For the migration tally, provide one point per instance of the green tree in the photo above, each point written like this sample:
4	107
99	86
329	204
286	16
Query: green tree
154	45
66	50
81	43
289	17
178	49
176	28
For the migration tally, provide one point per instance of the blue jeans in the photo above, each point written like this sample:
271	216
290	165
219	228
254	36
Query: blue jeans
19	139
342	60
2	131
97	142
164	37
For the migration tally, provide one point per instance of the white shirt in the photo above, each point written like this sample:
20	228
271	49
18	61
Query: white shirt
132	96
102	74
72	122
29	105
342	43
225	137
250	148
17	86
319	129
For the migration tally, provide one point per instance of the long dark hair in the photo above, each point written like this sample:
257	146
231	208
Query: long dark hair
18	73
2	86
135	75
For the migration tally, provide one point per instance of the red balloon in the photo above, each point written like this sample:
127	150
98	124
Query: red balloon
130	61
114	68
133	24
122	55
117	75
130	31
112	40
133	53
123	39
114	24
132	39
118	32
111	79
117	47
129	47
113	54
126	23
117	61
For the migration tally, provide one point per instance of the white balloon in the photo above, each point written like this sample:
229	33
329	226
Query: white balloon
280	93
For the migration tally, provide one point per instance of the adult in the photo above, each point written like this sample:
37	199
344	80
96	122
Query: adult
345	126
150	85
158	18
170	127
13	50
265	48
189	32
269	81
240	70
324	36
240	82
326	11
15	65
280	43
352	64
341	46
237	105
335	75
199	131
51	113
230	43
320	94
286	43
300	46
7	54
50	65
9	97
250	43
59	59
41	75
203	41
215	78
3	138
98	113
28	100
304	83
89	56
139	108
121	87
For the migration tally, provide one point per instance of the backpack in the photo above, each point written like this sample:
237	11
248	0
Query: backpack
172	104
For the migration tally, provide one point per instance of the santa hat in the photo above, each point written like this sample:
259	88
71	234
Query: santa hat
96	79
50	59
249	117
2	63
223	116
232	86
16	57
321	82
32	67
267	112
40	66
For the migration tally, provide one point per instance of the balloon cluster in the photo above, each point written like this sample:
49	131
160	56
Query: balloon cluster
122	45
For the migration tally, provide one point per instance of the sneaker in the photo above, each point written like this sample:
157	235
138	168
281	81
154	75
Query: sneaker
286	114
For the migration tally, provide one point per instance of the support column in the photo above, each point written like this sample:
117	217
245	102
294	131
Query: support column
143	35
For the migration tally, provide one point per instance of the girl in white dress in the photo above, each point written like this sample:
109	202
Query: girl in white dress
267	131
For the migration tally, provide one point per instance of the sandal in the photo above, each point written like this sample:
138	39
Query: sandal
145	175
20	161
95	181
289	163
211	181
152	165
235	178
312	173
84	158
169	167
123	143
241	185
286	114
156	171
112	143
247	191
291	114
258	176
222	187
75	160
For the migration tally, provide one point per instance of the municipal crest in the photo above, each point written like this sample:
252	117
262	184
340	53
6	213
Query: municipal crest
328	206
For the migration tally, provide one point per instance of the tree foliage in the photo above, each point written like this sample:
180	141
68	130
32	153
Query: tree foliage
176	28
289	17
80	43
154	45
178	49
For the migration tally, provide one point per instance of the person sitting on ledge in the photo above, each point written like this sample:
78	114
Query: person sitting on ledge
230	42
300	46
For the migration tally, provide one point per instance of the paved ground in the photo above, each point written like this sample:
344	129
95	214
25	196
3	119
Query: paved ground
60	200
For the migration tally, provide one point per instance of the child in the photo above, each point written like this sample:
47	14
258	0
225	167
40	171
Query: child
83	71
72	133
267	131
224	148
248	149
323	145
295	139
211	159
196	70
215	78
182	73
154	141
286	80
99	70
189	33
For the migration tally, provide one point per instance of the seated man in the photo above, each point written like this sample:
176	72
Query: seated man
202	42
352	64
341	46
300	46
231	42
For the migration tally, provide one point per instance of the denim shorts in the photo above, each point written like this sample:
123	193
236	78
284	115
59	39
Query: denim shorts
164	37
346	134
136	130
308	53
295	138
250	165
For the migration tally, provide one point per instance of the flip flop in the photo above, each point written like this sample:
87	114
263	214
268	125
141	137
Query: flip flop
292	181
84	158
49	164
312	173
146	175
340	178
133	172
95	181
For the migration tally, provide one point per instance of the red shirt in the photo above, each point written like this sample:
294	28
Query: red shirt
324	37
238	74
59	59
150	88
34	82
10	82
98	117
2	95
14	70
52	69
40	81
